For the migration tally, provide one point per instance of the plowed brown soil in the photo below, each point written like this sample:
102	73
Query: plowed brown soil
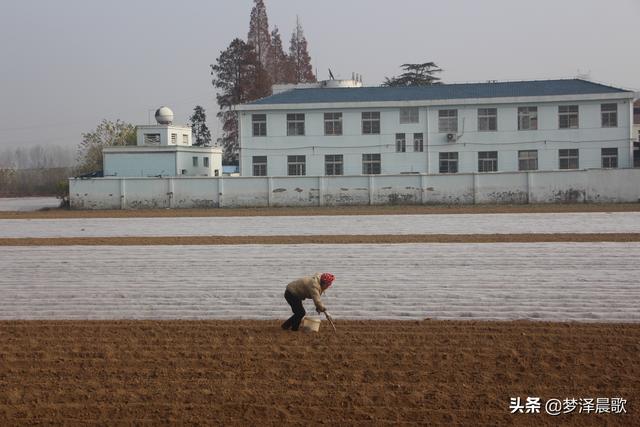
321	239
329	210
368	373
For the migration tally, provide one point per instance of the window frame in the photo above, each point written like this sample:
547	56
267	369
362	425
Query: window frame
446	120
487	119
528	160
371	164
568	115
297	164
371	123
609	160
528	114
401	142
257	165
566	157
487	158
418	142
409	115
609	118
448	162
205	161
259	125
333	124
194	161
334	164
295	124
152	139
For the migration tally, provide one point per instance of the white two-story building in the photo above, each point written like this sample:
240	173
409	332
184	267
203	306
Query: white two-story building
441	129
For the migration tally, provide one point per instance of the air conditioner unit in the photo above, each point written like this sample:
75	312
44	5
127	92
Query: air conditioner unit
452	137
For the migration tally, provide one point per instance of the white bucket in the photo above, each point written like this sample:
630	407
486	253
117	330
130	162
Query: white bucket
311	324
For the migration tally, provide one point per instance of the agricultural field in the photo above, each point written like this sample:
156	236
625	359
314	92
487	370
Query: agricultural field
441	318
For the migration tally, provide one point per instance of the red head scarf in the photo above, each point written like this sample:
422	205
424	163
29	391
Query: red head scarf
327	279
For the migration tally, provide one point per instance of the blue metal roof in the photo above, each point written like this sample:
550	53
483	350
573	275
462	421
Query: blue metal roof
439	92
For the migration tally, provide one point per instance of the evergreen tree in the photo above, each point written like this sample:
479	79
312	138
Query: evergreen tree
415	75
201	133
258	36
240	78
278	65
299	56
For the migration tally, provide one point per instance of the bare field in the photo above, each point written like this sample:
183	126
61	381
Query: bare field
368	373
321	239
343	210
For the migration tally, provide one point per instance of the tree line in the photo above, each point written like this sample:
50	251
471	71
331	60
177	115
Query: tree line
246	70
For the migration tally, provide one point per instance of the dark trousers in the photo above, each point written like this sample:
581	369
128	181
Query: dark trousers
293	322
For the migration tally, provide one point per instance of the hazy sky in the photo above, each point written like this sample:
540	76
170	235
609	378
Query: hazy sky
67	64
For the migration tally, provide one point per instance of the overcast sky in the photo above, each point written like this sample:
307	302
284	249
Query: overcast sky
67	64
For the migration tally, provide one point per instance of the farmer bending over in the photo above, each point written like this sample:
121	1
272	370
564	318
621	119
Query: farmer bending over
303	288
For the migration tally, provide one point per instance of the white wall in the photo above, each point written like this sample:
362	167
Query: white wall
139	164
595	185
589	138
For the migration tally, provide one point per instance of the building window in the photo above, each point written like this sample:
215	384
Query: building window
296	165
448	121
568	116
487	119
205	162
371	123
333	123
195	161
295	125
487	161
609	114
568	158
259	123
371	164
152	138
409	115
259	165
418	142
401	143
609	157
174	138
449	162
636	154
185	139
528	160
527	118
333	164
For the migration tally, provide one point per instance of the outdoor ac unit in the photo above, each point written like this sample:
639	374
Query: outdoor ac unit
451	137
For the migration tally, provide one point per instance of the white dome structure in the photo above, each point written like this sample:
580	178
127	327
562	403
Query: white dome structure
164	115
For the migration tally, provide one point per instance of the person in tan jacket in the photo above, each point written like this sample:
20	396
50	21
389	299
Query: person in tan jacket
301	289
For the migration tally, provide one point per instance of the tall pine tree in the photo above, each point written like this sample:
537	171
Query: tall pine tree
240	78
259	36
278	65
201	133
299	56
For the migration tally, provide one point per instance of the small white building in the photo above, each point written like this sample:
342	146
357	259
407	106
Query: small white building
163	149
441	129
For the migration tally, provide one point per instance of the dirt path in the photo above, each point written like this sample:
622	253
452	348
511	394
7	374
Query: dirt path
320	239
345	210
236	373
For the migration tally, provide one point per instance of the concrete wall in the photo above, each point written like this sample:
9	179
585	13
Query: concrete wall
593	185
